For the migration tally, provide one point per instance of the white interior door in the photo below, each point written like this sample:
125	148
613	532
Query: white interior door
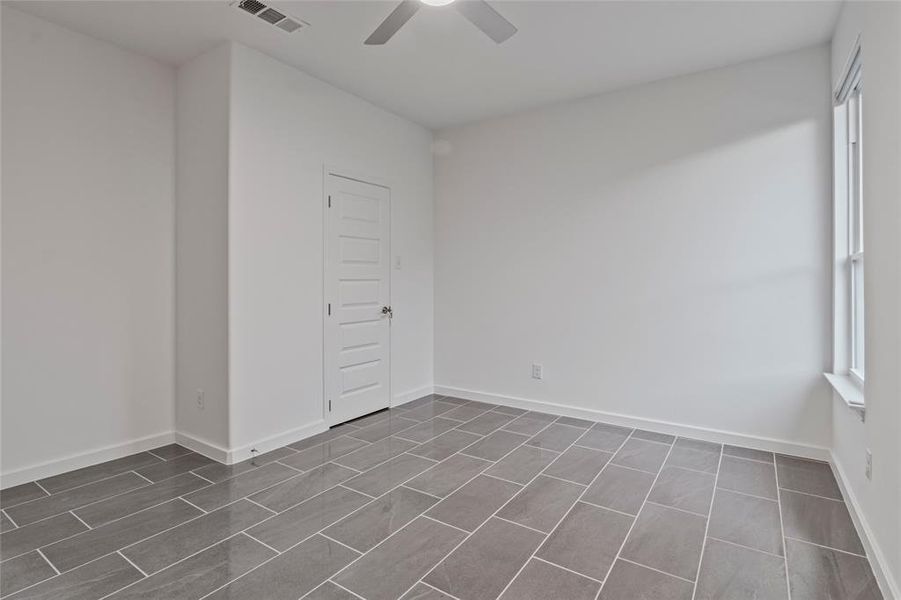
357	290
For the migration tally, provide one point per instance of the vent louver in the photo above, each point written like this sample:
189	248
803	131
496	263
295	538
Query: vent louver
271	15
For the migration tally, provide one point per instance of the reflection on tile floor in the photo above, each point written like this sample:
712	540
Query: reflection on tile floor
441	498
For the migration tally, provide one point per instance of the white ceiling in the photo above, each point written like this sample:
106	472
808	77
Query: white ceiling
440	70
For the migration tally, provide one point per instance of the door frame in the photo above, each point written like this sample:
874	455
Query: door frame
329	169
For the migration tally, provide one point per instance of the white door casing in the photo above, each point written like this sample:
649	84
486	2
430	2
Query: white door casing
357	294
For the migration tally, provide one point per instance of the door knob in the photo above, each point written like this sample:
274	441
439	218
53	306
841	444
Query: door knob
386	310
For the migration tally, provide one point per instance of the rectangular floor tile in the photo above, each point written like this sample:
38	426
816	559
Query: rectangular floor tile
425	431
587	540
74	498
430	410
37	535
103	512
666	539
305	519
747	476
748	453
628	581
641	455
445	445
374	522
556	437
495	445
202	573
486	562
540	581
94	580
224	492
808	476
323	453
464	413
732	573
303	487
620	489
448	475
821	574
20	493
681	488
573	422
382	429
76	551
604	437
542	503
695	455
170	451
382	478
368	457
523	464
653	436
393	567
292	574
746	520
23	571
217	472
819	520
579	464
472	504
527	425
164	549
486	423
71	479
176	466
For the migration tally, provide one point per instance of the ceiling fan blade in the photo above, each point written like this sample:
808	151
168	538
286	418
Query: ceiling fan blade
480	14
394	21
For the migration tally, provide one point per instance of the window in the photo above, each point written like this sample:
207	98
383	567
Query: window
849	232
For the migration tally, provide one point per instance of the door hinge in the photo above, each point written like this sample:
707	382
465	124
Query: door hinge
330	406
329	201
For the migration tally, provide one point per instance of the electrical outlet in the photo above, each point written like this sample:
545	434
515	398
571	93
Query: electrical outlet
537	371
869	467
200	400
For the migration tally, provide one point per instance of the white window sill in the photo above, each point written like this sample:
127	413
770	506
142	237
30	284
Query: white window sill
848	390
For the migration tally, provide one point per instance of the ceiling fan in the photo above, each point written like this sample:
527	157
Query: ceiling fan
477	12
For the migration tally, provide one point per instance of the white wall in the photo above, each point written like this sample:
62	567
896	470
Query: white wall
663	251
88	201
285	125
202	249
878	501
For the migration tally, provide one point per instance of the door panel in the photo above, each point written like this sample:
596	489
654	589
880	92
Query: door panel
357	286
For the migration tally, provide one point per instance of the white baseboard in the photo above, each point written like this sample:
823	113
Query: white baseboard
410	396
201	446
84	459
701	433
889	587
275	441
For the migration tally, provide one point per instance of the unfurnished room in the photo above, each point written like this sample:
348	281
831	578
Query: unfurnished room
450	300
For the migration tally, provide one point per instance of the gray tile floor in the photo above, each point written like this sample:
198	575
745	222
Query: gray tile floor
441	498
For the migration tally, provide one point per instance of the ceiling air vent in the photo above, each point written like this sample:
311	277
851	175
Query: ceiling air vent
271	15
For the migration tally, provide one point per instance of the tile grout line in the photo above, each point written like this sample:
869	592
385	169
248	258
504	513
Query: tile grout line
80	520
682	510
43	489
716	481
145	479
355	595
15	525
740	493
205	512
782	529
140	570
638	564
849	553
814	495
553	564
260	505
52	566
323	529
731	543
638	514
570	509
